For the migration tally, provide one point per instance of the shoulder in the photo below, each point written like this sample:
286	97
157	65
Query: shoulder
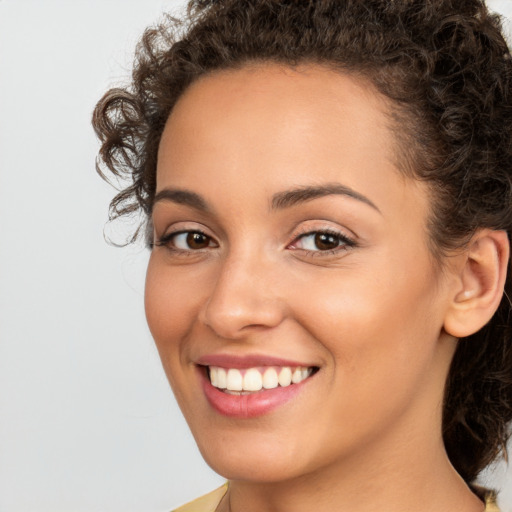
208	502
488	496
490	502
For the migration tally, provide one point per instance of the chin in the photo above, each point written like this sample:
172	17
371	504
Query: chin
260	470
250	459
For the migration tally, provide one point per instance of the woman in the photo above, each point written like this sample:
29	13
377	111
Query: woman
327	196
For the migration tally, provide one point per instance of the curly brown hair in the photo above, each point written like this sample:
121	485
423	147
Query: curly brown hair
446	68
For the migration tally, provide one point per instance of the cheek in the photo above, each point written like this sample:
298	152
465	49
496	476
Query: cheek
380	327
171	302
171	305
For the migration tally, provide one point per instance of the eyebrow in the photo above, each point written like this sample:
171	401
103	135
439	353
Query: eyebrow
181	196
281	200
298	195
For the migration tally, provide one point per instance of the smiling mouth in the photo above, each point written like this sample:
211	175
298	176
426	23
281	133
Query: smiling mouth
246	381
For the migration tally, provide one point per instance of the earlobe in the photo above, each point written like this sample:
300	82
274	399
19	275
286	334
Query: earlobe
480	283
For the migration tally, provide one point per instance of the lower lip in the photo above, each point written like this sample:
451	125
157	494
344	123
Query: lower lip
251	405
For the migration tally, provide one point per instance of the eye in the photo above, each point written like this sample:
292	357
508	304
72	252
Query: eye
322	241
186	241
191	240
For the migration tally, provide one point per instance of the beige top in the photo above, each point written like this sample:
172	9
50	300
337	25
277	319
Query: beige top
209	502
206	503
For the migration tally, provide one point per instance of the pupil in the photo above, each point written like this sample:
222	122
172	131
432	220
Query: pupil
197	241
325	241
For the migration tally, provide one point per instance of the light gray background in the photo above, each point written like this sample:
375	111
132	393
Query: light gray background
87	421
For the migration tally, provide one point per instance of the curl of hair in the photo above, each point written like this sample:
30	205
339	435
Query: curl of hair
446	68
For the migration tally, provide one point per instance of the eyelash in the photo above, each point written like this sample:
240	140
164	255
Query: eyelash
165	241
345	242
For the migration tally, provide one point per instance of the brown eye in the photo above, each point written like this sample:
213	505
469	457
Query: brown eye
323	241
187	241
197	240
326	241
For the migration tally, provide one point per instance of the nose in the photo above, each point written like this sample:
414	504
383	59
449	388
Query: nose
245	298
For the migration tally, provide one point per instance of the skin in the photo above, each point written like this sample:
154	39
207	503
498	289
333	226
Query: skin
365	432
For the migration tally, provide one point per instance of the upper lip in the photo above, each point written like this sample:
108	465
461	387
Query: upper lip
247	361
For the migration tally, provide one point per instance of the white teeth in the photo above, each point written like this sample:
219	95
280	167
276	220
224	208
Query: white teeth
252	379
270	380
296	376
214	377
234	381
285	376
221	378
218	377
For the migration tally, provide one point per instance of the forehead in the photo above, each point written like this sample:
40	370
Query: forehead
307	84
275	105
280	127
305	94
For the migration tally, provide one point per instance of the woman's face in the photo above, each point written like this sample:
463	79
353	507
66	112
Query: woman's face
289	246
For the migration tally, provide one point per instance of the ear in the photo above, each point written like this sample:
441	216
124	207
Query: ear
479	285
